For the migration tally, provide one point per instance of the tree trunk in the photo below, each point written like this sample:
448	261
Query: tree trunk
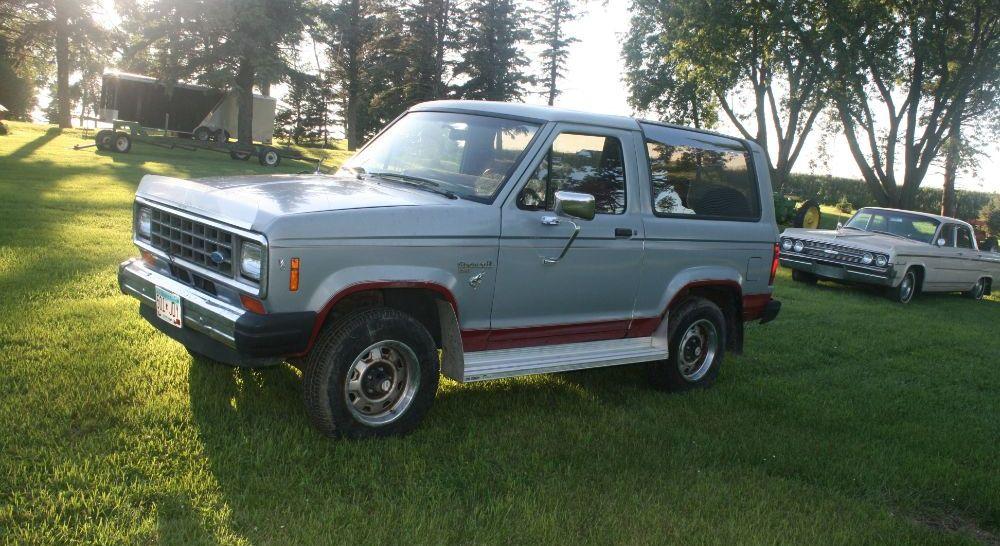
949	204
554	61
62	66
244	94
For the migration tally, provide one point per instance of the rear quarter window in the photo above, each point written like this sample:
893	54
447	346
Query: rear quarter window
700	176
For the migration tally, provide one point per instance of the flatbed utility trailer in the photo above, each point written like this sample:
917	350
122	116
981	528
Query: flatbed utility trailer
123	134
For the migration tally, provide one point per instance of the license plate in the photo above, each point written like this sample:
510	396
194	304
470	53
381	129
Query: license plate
168	307
830	272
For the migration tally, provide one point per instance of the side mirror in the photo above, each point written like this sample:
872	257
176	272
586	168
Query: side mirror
840	225
941	242
575	205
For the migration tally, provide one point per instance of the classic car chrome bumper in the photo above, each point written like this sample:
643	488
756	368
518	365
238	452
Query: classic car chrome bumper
217	329
837	271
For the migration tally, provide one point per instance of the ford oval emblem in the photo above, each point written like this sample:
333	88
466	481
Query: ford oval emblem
217	257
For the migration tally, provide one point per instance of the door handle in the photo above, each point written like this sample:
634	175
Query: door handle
622	232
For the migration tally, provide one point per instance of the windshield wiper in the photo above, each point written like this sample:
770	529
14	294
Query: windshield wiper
416	182
889	234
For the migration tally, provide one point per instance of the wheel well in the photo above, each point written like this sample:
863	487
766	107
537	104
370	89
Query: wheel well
419	303
727	298
988	287
918	272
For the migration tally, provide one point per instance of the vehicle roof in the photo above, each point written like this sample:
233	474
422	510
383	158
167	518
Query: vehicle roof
937	217
529	111
540	113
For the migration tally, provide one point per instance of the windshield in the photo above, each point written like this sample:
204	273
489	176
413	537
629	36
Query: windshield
468	155
891	222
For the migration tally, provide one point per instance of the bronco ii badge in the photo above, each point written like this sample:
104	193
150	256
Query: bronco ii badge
465	267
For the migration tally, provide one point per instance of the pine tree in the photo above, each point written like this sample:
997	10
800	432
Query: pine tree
493	62
551	34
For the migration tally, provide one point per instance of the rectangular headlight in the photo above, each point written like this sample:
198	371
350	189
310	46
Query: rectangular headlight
144	222
251	260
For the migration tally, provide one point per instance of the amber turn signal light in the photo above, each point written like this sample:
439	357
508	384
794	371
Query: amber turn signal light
252	304
293	275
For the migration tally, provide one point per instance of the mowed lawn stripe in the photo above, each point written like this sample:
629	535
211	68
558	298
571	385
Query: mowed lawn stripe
848	420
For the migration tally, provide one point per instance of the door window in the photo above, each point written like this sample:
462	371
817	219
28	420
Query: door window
948	234
965	238
581	163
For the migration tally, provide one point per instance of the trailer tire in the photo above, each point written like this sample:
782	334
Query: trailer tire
240	155
269	157
103	139
122	143
202	133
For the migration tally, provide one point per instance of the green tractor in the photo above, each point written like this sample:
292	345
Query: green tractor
791	210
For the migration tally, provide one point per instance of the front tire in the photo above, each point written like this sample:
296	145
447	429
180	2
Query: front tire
373	373
269	157
697	345
907	287
977	291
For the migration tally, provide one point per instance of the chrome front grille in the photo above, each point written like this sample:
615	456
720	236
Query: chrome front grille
833	252
196	242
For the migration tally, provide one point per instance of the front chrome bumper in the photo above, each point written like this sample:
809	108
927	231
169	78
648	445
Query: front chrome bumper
837	271
201	313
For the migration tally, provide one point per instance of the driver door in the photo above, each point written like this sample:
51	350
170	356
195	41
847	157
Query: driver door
590	293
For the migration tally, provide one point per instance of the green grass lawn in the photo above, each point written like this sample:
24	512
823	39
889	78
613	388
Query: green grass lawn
848	420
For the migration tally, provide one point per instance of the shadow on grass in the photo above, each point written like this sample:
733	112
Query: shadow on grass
33	146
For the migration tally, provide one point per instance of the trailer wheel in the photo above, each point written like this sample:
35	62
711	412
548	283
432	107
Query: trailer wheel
202	133
104	139
122	143
240	155
269	157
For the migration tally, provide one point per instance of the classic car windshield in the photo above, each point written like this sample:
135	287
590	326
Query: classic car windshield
891	222
468	155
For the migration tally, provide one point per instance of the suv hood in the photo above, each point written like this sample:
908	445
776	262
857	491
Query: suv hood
253	201
864	240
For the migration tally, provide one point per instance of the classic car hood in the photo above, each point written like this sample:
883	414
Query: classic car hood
864	240
248	201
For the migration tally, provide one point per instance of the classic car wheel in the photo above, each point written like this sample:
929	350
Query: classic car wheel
373	373
697	343
907	287
803	276
977	291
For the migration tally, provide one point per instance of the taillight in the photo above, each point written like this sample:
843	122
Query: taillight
774	264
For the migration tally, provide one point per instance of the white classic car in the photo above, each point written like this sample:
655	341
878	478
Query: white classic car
906	252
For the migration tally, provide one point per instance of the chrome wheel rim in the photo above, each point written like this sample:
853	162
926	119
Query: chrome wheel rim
382	382
697	349
906	288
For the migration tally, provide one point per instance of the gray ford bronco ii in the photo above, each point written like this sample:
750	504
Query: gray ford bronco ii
476	240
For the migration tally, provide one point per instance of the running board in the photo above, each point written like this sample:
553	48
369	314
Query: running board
496	364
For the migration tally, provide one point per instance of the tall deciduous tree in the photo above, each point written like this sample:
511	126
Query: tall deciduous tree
491	46
551	33
727	49
904	74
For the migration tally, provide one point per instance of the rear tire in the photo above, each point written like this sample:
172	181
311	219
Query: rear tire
904	292
122	143
808	215
977	291
104	139
373	373
804	277
202	133
697	344
269	157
